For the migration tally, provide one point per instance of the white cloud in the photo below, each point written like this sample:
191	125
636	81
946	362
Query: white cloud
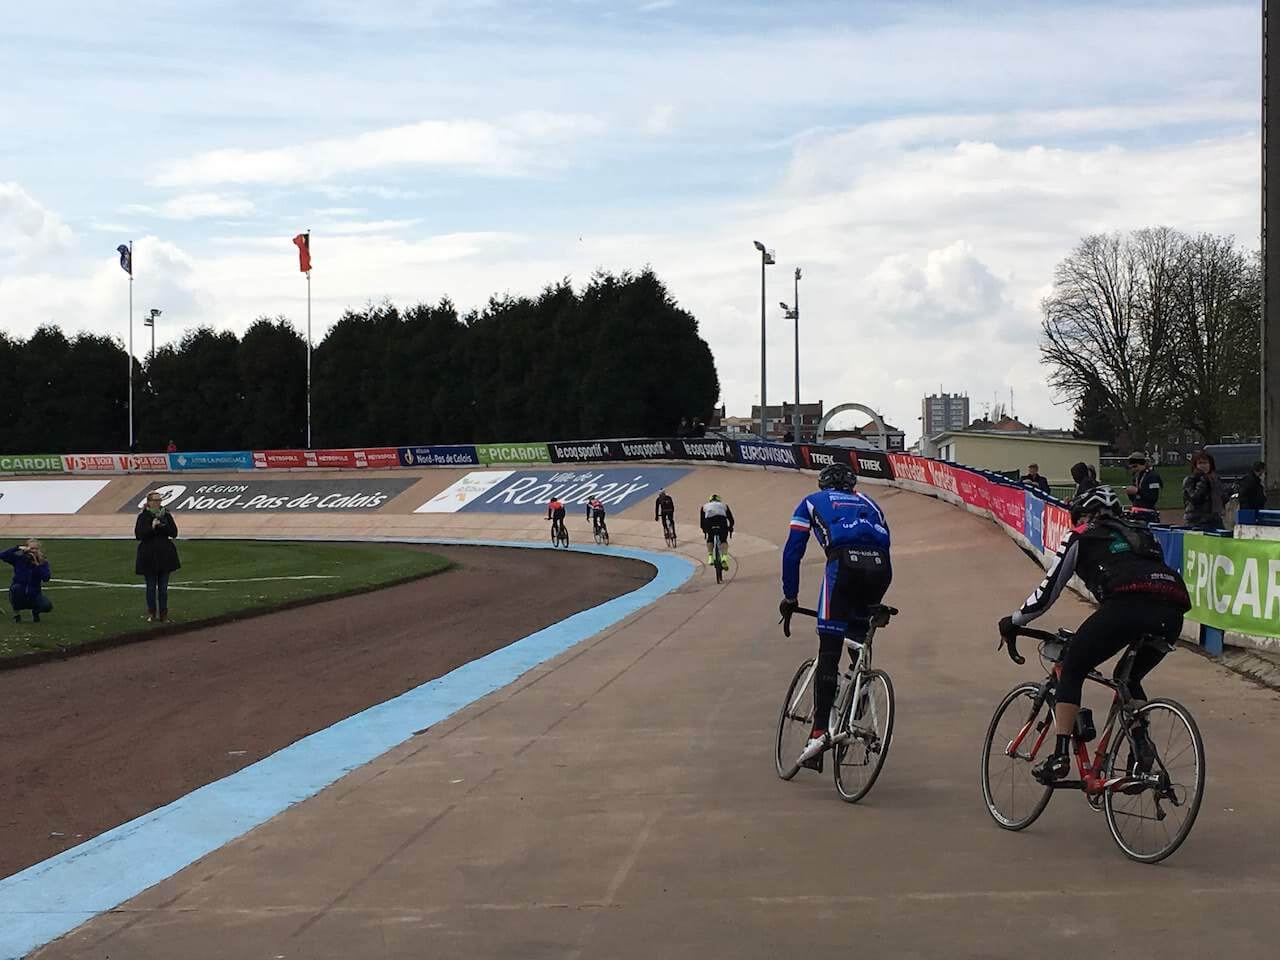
946	293
195	206
27	229
465	145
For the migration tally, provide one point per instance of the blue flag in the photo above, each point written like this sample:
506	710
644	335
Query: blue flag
126	259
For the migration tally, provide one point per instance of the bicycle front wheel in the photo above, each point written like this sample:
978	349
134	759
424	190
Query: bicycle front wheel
795	722
869	724
1151	811
1014	798
718	562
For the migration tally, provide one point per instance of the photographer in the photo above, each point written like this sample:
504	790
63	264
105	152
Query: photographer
30	571
157	556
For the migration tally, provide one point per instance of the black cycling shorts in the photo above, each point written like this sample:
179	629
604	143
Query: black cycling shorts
1112	627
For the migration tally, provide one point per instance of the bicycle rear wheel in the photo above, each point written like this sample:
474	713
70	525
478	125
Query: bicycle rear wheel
859	760
795	722
1014	798
718	562
1152	814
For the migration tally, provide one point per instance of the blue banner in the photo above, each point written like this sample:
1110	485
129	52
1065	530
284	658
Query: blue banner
220	460
529	491
1034	526
767	454
437	456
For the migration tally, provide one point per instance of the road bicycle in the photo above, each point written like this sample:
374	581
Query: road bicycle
861	721
1147	773
717	559
559	533
601	532
669	530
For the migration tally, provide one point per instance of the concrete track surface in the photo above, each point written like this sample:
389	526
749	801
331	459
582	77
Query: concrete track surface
621	801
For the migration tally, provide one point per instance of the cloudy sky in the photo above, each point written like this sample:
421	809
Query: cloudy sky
926	164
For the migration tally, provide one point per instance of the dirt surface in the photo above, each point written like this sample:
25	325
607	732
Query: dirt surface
94	741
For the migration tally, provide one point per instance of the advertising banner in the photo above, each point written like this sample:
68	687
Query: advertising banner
585	451
907	467
972	487
283	459
1034	511
357	459
873	463
1008	505
438	456
31	463
648	450
942	476
1234	584
260	496
711	448
512	453
767	454
47	496
218	460
529	491
810	456
1057	524
116	462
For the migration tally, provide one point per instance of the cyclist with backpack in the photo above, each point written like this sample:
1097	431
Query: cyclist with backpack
664	509
1123	567
595	513
555	513
851	528
714	518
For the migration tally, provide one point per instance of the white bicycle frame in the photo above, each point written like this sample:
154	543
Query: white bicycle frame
861	667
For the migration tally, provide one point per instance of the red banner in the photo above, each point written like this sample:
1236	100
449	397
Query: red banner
907	467
941	476
1057	522
972	488
380	457
91	462
283	459
1009	504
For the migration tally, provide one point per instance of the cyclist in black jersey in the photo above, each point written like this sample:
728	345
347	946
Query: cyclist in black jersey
1121	564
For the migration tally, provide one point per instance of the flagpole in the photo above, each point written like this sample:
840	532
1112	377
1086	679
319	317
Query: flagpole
130	346
308	345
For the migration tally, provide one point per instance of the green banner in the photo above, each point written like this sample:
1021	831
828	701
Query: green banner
31	463
1234	584
490	453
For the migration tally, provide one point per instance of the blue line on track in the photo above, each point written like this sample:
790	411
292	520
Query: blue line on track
53	897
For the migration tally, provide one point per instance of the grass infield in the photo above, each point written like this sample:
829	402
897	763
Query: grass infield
97	598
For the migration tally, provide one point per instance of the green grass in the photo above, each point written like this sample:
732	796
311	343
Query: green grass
1170	489
112	602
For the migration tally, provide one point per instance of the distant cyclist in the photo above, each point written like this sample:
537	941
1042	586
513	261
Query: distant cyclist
1121	564
715	517
555	513
595	513
851	528
664	509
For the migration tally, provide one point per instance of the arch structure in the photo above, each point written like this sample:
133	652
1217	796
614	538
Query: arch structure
845	408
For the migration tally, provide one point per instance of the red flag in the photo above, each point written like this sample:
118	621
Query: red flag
303	241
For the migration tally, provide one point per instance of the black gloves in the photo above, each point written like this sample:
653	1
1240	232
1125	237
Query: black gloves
788	606
1006	627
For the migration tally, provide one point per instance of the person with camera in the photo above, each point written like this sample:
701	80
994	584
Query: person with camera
157	557
30	572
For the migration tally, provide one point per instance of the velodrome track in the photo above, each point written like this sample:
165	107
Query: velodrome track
620	800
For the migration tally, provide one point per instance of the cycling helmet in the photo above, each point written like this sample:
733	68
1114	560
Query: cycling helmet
837	476
1097	500
715	498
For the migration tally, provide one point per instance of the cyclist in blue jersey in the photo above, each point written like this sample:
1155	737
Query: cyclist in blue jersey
852	530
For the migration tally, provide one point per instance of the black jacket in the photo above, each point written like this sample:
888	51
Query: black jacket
1114	558
1252	494
663	505
1148	494
1202	500
1039	481
156	552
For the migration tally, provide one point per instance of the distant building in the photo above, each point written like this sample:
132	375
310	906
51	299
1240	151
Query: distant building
896	438
780	419
941	412
1005	451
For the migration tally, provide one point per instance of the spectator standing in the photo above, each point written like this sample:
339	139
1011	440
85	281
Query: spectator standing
1202	495
172	448
30	573
1084	478
155	530
1144	492
1034	480
1253	488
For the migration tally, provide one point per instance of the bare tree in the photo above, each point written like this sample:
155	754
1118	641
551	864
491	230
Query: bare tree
1215	367
1108	326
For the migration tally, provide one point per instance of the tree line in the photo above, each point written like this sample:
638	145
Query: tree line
618	358
1156	332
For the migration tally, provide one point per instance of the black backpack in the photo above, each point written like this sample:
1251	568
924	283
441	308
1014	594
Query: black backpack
1127	536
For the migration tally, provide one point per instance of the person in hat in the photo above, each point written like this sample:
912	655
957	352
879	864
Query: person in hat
1144	492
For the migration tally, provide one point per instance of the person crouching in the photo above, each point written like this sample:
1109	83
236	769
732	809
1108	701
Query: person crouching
30	573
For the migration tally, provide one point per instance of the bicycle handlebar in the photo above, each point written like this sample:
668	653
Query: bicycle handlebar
786	620
1012	641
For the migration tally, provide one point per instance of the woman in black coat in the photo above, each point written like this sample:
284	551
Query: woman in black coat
157	556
